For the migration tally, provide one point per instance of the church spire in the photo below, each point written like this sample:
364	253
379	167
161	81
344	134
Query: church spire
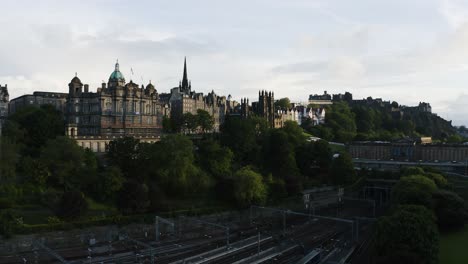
185	83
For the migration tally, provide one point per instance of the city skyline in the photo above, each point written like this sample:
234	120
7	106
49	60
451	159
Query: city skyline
404	51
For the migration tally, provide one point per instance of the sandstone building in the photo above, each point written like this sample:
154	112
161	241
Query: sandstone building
115	110
183	99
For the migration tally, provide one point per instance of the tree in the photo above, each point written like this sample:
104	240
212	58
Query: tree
414	189
124	153
248	187
190	122
242	137
205	120
313	157
281	160
167	125
8	159
37	125
408	235
215	159
295	133
67	162
72	205
108	184
450	210
342	122
342	169
133	197
438	179
172	166
34	172
283	103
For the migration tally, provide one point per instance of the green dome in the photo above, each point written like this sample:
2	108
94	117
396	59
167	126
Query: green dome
116	75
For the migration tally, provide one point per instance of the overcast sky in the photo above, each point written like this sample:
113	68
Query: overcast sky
403	50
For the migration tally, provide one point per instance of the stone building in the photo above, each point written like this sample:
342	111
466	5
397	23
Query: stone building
183	100
320	99
408	150
58	100
299	114
265	107
4	99
116	109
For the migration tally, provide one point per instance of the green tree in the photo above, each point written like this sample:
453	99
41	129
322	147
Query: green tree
215	159
9	153
167	125
249	187
408	235
295	133
34	172
205	120
283	103
414	189
450	210
108	184
124	153
67	162
243	137
172	166
438	179
190	122
281	160
342	169
313	157
37	126
133	197
341	120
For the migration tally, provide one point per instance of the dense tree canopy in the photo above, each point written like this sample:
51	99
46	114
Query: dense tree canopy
283	103
414	189
249	187
408	235
32	127
69	165
342	169
450	210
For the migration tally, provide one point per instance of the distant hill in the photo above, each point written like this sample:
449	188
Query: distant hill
375	119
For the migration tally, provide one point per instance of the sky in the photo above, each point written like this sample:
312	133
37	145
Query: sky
407	51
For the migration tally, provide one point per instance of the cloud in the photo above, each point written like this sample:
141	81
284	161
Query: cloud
404	51
456	110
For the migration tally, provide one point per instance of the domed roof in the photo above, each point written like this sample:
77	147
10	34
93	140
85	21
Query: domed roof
116	75
76	79
150	86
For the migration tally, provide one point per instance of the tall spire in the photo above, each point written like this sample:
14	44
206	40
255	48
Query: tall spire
185	83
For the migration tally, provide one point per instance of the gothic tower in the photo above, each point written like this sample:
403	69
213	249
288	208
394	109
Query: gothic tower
266	107
185	85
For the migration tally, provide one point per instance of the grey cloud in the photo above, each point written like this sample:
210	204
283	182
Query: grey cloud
300	67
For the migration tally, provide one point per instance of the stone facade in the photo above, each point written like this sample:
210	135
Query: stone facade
409	151
320	99
301	113
58	100
115	109
265	107
183	100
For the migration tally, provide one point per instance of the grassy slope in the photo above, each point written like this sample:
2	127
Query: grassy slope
454	247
